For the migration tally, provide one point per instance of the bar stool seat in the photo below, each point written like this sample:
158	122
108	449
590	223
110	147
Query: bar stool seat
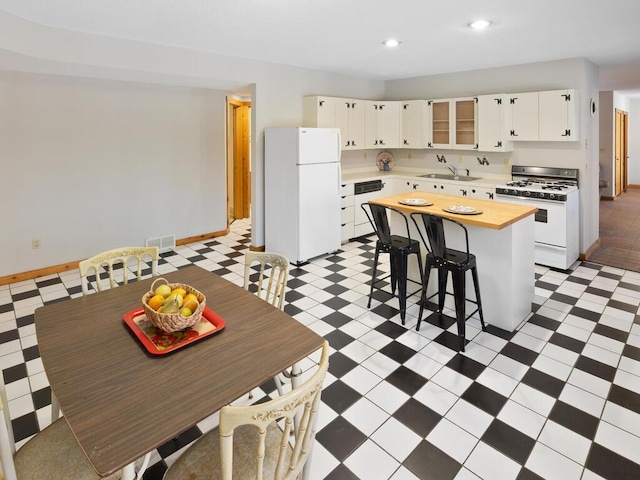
448	260
398	247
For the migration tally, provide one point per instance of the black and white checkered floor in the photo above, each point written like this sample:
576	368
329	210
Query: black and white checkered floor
558	399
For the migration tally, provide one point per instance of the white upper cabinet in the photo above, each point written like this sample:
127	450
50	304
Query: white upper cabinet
440	123
319	112
382	124
524	116
333	112
415	130
350	121
557	115
465	133
493	120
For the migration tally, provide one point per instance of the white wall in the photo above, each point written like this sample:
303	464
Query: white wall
178	95
634	142
572	73
89	165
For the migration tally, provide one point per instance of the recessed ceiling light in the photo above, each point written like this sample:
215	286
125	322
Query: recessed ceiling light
392	42
480	24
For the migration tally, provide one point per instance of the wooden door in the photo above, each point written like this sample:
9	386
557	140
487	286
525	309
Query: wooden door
619	162
238	159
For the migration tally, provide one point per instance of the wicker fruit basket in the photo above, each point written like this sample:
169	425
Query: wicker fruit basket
172	322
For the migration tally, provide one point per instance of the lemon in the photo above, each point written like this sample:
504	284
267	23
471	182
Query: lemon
164	290
186	312
156	302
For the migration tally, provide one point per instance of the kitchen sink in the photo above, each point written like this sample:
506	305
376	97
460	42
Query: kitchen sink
444	176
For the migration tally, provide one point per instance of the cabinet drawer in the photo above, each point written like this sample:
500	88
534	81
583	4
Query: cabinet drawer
346	232
346	214
346	201
362	229
346	189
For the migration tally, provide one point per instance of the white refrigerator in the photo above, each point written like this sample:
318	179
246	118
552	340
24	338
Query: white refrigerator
302	192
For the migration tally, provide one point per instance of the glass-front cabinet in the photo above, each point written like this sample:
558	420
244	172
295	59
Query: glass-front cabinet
440	117
466	128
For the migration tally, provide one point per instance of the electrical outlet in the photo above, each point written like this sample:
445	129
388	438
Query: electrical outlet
506	162
35	243
586	144
410	156
365	155
459	158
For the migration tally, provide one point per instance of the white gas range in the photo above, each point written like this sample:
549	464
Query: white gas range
555	192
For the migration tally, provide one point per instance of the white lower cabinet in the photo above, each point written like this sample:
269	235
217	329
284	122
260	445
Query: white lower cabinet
458	188
485	193
346	212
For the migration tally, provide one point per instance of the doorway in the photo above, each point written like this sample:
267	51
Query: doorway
621	152
238	159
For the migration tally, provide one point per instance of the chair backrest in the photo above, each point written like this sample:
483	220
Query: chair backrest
117	256
434	229
379	219
7	442
270	281
292	451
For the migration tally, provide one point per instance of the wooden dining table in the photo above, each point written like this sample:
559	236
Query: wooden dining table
121	401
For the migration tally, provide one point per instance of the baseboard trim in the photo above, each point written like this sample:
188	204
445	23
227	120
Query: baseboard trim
256	249
633	186
64	267
607	199
590	250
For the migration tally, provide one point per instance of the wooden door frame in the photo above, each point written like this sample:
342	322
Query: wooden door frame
621	152
238	159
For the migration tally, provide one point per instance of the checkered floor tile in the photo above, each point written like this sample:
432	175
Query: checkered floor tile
557	399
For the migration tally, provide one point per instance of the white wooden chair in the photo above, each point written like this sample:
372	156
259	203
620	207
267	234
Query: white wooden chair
270	285
51	454
256	441
123	256
271	288
107	260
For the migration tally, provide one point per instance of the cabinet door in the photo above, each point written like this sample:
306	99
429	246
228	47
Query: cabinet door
342	121
356	124
425	186
414	124
319	112
389	124
459	189
485	193
524	116
557	115
465	131
440	119
492	124
371	125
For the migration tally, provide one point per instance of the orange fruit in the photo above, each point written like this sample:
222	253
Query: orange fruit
180	290
189	297
155	302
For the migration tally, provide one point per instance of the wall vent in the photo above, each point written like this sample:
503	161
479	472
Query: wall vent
164	244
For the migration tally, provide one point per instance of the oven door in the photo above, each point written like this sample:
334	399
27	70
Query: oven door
550	219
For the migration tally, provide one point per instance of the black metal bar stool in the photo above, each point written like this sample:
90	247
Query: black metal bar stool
398	247
448	260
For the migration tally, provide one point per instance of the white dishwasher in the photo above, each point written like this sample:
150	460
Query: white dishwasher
363	192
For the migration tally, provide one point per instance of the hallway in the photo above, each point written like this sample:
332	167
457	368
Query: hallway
620	232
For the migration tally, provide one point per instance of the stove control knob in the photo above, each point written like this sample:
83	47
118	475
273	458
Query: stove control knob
541	195
514	192
527	193
552	195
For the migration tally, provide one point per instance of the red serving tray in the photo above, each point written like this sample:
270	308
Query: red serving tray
158	342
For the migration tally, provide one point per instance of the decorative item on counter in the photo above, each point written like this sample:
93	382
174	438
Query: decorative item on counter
441	159
173	306
385	161
484	161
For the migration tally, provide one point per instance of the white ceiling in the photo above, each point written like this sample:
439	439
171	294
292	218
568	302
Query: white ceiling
345	36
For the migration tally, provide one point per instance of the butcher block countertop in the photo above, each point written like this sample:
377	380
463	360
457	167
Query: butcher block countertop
495	215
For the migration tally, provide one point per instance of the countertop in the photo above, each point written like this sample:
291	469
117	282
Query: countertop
363	175
494	215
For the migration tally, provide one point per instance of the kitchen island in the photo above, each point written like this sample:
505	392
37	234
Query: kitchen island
501	237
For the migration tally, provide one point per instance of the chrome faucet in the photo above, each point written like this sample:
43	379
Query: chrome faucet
453	170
